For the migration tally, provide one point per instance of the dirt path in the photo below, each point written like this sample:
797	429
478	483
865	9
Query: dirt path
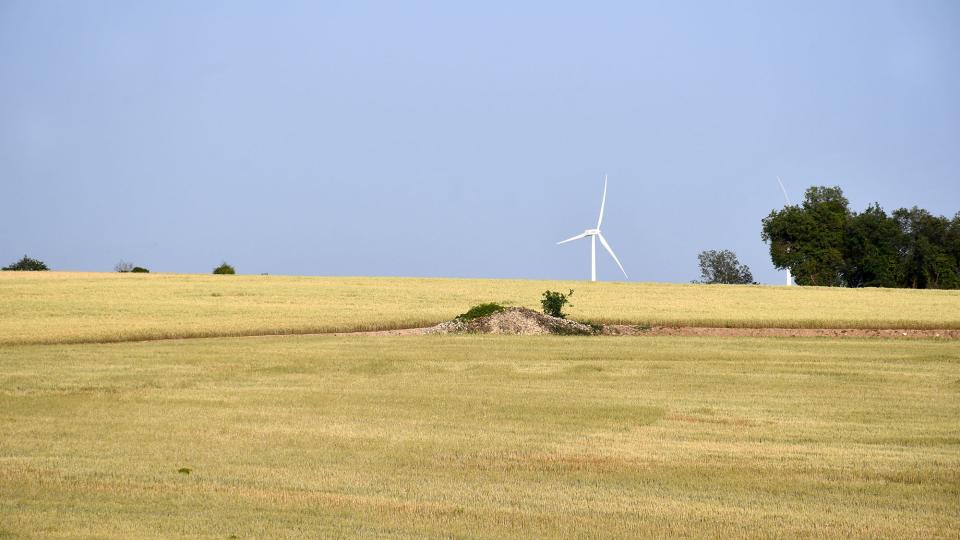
400	332
627	330
780	332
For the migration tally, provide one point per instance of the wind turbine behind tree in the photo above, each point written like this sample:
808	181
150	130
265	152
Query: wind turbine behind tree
787	197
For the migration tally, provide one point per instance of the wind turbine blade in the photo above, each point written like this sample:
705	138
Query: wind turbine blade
784	190
572	238
612	254
603	201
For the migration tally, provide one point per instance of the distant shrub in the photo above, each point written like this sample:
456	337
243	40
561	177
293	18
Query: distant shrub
124	267
26	264
722	267
224	269
553	303
481	310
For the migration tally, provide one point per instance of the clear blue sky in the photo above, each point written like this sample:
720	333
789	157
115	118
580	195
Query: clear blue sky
445	139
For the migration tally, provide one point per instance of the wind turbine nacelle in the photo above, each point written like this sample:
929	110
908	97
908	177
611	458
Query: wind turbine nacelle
591	232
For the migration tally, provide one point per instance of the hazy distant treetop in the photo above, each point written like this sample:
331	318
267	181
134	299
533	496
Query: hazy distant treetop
224	268
723	267
26	264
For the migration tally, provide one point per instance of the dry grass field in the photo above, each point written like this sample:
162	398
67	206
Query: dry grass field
60	307
481	437
467	436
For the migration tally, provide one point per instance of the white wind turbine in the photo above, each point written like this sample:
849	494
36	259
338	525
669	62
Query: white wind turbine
787	197
594	234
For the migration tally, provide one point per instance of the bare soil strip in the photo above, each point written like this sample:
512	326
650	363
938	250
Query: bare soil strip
523	321
779	332
620	330
627	330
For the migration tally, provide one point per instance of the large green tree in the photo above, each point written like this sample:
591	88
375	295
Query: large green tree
823	243
871	250
809	239
927	249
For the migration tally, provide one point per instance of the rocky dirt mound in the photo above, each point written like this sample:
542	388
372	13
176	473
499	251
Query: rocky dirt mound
515	320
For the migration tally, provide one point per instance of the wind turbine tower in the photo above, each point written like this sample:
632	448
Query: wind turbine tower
594	234
787	197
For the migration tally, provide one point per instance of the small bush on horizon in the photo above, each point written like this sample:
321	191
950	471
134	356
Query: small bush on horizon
553	303
139	270
481	310
224	269
722	267
26	264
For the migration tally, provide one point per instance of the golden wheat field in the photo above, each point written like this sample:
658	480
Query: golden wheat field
292	436
64	307
481	437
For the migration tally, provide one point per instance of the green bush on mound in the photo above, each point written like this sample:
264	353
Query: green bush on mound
553	303
481	310
139	270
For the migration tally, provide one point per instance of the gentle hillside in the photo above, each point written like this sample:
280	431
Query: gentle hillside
62	307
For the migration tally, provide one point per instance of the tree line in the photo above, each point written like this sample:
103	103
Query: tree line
29	264
823	242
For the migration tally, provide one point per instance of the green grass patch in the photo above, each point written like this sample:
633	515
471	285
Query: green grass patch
480	310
